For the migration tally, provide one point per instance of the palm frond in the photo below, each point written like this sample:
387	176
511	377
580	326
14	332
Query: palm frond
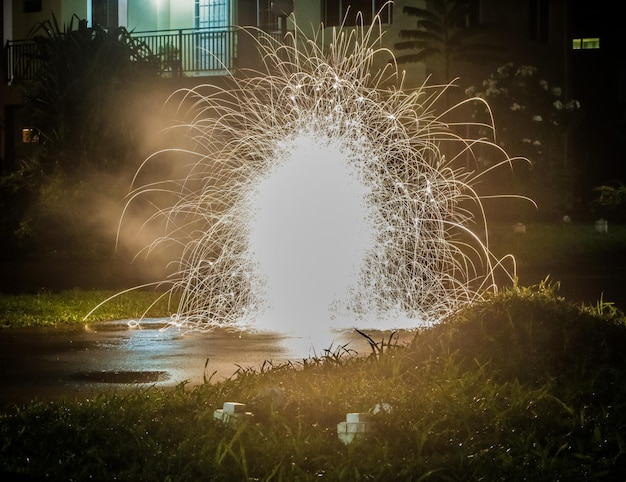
418	56
421	36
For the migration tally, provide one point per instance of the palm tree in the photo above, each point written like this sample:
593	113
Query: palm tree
447	31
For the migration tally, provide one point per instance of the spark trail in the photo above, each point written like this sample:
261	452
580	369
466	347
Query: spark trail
318	196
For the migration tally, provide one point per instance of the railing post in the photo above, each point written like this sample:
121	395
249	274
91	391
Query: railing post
180	53
6	62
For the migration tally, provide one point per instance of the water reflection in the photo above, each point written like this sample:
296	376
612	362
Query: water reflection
44	363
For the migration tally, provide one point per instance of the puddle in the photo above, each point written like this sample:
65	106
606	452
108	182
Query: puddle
79	361
121	377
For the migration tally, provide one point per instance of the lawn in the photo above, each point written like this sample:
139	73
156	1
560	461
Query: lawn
543	247
525	386
559	245
522	386
71	306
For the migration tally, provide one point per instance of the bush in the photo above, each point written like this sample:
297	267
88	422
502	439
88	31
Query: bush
84	101
611	202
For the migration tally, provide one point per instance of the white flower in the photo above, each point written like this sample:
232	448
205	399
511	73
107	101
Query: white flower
543	84
537	143
526	141
470	91
526	70
572	104
558	105
502	69
556	91
515	106
537	118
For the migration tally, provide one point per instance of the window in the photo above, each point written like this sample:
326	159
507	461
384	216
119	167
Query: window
267	19
29	135
212	44
335	11
586	43
104	13
32	6
212	13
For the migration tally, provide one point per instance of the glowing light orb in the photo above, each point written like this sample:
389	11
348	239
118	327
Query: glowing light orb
318	197
311	228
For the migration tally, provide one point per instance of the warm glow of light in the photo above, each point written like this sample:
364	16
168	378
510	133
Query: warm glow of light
311	229
317	197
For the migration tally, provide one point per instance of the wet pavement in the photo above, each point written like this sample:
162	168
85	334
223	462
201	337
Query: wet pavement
80	361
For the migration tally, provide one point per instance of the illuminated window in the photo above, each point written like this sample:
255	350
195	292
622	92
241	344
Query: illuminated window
212	49
29	135
212	13
335	11
586	43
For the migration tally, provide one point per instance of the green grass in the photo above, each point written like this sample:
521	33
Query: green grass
559	244
68	307
524	386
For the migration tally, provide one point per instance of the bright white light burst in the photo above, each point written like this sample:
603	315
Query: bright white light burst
318	196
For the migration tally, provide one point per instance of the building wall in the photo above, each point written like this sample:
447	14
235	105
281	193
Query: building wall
71	7
307	14
514	18
62	10
146	15
142	16
23	22
182	14
415	73
309	17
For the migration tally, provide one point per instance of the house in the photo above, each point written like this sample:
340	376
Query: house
202	35
199	40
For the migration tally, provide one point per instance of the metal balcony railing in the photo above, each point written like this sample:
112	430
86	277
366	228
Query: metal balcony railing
193	52
21	60
182	52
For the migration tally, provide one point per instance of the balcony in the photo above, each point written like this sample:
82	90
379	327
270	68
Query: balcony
181	52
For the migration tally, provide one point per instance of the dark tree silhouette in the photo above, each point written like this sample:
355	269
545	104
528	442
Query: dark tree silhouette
448	32
80	100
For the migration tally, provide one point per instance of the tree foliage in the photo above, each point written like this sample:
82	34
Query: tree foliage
445	30
86	104
532	118
532	115
81	101
610	201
